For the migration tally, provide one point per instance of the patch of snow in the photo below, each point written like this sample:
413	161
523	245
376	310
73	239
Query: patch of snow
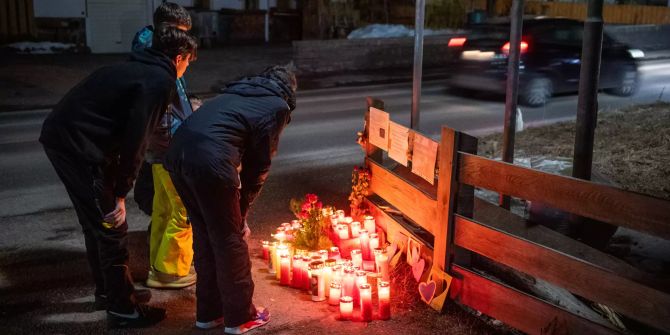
40	47
394	30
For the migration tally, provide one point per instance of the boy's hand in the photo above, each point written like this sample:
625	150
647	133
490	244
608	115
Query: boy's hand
118	216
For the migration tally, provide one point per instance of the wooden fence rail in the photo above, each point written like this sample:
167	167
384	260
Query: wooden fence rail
441	217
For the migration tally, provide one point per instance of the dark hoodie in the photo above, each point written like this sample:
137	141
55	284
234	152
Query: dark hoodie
236	131
108	116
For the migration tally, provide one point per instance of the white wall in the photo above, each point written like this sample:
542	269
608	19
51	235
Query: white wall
112	24
60	8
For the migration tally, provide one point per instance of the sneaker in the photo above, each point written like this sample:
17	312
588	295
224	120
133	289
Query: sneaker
143	316
142	296
262	317
209	325
158	279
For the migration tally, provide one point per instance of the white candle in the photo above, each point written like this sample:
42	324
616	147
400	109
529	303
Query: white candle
324	254
346	307
361	278
348	220
334	294
369	224
317	283
348	282
384	293
355	229
340	214
337	274
366	301
295	224
280	235
334	253
334	221
374	242
365	243
382	263
357	257
343	231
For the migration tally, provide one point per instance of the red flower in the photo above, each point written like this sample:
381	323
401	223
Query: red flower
318	205
311	198
304	215
306	206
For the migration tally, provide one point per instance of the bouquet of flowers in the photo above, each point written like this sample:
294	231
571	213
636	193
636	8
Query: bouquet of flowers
315	223
360	182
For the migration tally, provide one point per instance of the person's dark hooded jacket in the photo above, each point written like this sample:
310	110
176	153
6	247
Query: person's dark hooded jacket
108	117
236	131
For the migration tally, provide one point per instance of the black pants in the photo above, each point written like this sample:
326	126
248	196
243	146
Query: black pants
91	190
224	286
143	192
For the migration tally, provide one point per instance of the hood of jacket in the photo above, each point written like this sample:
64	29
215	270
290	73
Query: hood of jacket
260	87
154	57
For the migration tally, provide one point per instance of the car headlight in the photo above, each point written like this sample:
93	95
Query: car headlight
636	53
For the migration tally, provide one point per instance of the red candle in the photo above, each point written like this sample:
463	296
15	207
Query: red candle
304	274
366	301
357	258
334	253
297	274
284	279
384	293
348	282
266	250
365	243
361	278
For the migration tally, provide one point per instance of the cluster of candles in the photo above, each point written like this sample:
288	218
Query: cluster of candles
328	276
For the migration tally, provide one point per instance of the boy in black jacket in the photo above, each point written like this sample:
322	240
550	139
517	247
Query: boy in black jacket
95	138
219	160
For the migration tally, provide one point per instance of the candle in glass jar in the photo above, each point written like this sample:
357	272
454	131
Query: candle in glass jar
355	229
328	273
374	241
334	221
343	231
346	307
382	263
304	273
369	224
348	282
348	220
337	274
361	278
365	243
296	266
334	294
286	225
384	294
285	264
271	257
357	257
340	214
281	249
266	250
366	301
334	253
323	254
317	284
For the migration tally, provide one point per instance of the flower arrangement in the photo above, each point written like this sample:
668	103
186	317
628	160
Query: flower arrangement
360	182
315	221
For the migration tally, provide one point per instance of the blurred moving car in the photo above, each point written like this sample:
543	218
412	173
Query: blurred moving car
550	60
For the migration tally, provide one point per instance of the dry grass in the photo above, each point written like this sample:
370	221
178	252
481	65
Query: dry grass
632	146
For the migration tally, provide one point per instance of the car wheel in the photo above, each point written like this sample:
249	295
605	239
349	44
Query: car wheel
537	92
628	83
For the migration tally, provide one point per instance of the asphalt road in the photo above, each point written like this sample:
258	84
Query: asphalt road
322	132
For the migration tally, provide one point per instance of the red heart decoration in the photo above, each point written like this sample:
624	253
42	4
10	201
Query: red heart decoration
427	291
417	269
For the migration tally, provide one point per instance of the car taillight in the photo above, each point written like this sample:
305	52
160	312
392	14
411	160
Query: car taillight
457	41
523	49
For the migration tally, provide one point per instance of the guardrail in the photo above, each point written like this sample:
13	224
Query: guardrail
451	223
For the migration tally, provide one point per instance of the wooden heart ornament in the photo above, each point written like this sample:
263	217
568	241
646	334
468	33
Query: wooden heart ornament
417	269
427	291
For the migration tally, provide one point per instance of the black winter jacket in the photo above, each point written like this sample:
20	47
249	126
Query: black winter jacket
108	117
236	131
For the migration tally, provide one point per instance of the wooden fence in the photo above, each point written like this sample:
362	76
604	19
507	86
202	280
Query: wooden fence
16	20
451	223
